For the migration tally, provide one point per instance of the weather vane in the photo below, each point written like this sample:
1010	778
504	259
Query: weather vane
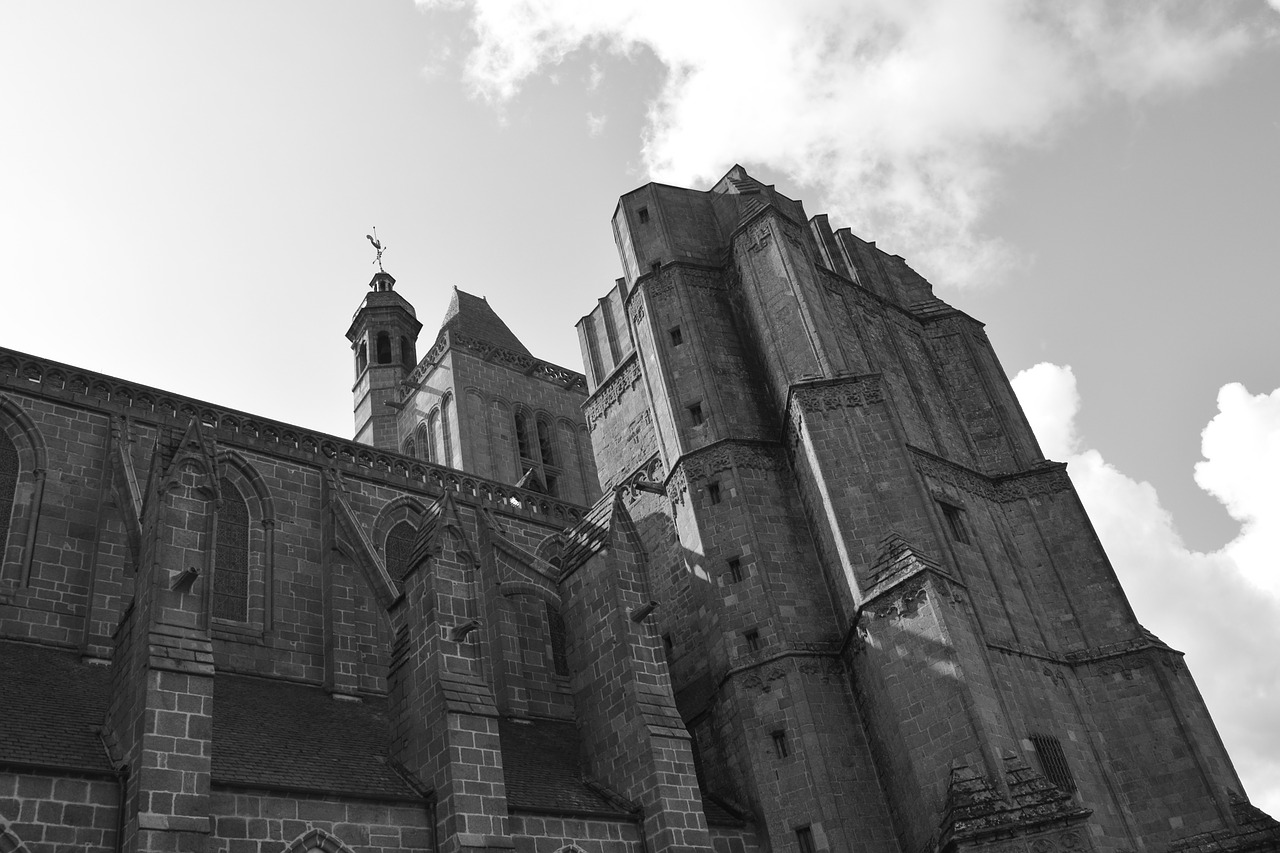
377	244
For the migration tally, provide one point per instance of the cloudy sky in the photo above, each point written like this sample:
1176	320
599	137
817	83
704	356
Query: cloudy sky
185	190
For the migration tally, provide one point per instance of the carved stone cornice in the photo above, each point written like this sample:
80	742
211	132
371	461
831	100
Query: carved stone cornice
1044	479
826	395
722	456
610	392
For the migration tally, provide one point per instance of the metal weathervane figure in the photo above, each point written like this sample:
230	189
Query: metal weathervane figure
377	244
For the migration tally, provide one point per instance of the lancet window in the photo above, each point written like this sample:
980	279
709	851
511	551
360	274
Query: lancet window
231	565
8	485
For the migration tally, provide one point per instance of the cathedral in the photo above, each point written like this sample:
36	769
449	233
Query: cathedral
784	571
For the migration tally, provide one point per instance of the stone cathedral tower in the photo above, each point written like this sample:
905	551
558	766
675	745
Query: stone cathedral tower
887	620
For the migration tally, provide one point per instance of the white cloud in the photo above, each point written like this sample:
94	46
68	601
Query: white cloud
1206	604
900	111
595	123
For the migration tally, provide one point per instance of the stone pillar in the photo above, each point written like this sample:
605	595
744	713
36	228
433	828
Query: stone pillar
633	734
444	717
161	712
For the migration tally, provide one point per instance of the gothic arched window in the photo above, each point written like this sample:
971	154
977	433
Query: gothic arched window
231	563
446	406
423	440
8	486
399	548
546	442
433	435
362	358
522	440
408	449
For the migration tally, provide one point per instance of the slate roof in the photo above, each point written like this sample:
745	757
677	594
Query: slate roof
472	316
51	706
277	734
543	769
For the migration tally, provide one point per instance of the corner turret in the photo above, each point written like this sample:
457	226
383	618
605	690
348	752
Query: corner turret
384	338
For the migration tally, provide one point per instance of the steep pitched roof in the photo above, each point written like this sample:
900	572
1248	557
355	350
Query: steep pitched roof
52	707
471	316
275	734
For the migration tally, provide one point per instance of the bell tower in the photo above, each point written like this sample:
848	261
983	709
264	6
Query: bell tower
384	337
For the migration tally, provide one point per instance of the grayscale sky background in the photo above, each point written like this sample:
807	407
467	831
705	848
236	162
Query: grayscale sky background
185	190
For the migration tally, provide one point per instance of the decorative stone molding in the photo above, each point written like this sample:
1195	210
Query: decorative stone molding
831	394
1045	479
25	374
722	456
648	472
622	381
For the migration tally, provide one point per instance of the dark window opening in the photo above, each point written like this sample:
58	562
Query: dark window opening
406	352
546	443
735	570
1053	762
655	266
780	747
695	414
522	437
954	516
231	562
677	337
8	485
713	492
446	406
753	640
805	836
399	549
362	358
668	647
553	485
644	215
556	633
384	348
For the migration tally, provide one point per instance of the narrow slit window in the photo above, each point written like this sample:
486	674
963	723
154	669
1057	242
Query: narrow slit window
713	492
1053	762
677	337
695	414
668	647
643	214
753	640
956	525
559	642
735	570
804	835
780	747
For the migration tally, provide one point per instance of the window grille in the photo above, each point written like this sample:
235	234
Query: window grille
735	570
8	485
399	549
231	562
780	747
1053	762
804	835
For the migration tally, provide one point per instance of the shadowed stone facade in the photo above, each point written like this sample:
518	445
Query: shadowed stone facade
784	571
